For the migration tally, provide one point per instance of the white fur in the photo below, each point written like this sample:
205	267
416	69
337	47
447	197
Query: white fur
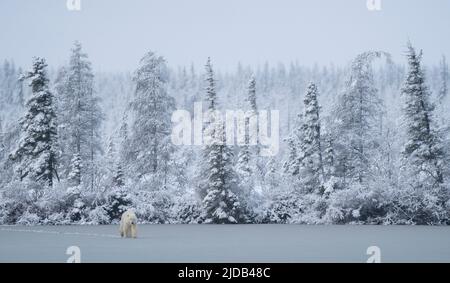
128	224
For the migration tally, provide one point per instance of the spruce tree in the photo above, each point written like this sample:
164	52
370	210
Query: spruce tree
118	178
252	94
328	155
35	154
423	154
292	164
243	163
246	153
311	171
124	150
221	204
211	96
423	150
74	176
218	188
247	166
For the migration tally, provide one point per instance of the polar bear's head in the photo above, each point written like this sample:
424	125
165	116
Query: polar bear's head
131	217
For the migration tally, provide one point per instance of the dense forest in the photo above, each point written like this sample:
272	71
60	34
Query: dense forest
366	143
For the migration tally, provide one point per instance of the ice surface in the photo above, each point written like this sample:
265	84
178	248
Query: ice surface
226	243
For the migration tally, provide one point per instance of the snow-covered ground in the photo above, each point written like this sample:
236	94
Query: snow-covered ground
226	243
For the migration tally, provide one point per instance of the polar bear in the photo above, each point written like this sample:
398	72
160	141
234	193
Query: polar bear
128	224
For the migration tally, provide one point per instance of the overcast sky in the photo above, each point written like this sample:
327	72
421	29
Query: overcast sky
116	33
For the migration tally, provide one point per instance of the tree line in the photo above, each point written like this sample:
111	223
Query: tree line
366	156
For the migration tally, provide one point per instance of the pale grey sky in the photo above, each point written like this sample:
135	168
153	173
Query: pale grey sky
116	33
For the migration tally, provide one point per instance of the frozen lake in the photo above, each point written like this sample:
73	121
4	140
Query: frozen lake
226	243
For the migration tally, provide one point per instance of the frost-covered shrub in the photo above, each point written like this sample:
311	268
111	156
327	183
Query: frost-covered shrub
153	206
76	213
280	208
28	218
98	215
17	198
331	185
57	218
417	206
75	206
311	208
358	204
11	211
118	200
186	210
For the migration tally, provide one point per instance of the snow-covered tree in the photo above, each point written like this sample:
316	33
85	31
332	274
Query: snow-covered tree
79	115
74	176
252	94
248	165
423	152
328	154
118	178
221	203
248	153
152	108
422	146
35	155
211	95
218	187
357	121
243	167
123	139
311	170
118	200
291	164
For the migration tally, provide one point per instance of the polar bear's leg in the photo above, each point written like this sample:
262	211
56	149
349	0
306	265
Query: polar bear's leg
121	230
127	231
133	230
